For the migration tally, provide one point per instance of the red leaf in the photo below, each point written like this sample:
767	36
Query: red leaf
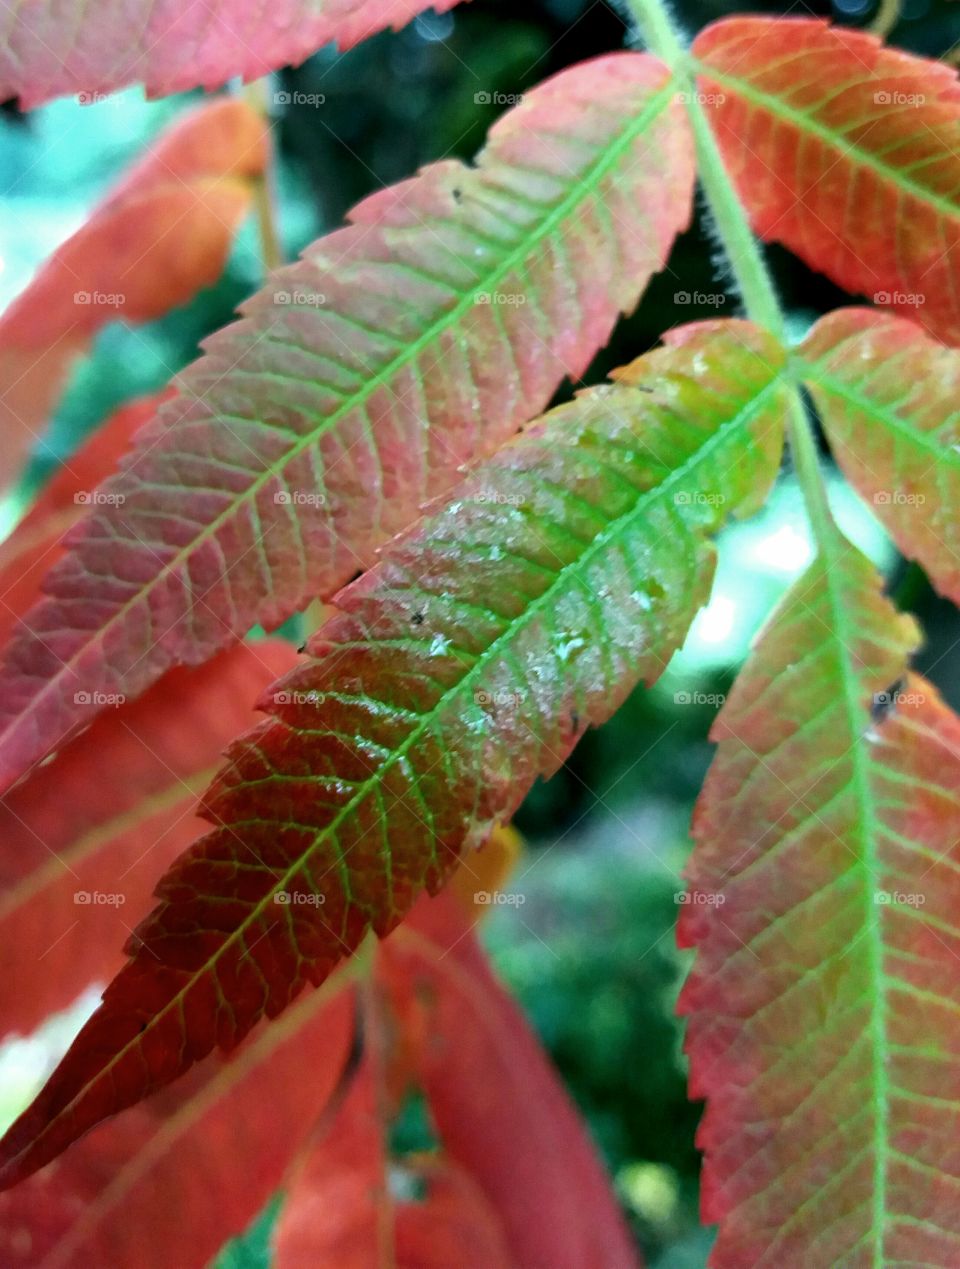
160	236
309	433
168	1182
845	151
177	46
38	540
466	663
500	1111
159	753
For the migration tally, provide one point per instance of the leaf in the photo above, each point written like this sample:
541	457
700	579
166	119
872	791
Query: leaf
822	903
168	1182
75	882
845	151
38	540
500	1111
514	1180
888	397
177	47
466	663
159	237
312	431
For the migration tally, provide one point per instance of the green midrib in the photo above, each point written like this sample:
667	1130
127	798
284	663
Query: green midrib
776	106
846	638
564	576
582	189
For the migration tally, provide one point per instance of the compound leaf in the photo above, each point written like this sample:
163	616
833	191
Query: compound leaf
845	151
466	663
358	384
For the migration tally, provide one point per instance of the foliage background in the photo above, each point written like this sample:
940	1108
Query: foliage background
590	950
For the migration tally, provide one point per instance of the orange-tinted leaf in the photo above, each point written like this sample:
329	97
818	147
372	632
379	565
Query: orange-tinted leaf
171	46
501	1113
824	890
359	383
845	151
466	663
888	397
38	540
79	857
159	237
168	1182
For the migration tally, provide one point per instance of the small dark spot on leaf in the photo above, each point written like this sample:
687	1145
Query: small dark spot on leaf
457	195
417	618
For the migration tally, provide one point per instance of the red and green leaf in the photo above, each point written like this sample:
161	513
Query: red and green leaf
889	399
315	428
158	238
822	904
74	883
465	664
845	151
176	46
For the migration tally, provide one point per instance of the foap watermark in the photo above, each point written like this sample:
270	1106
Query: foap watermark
497	99
499	898
99	699
700	99
898	498
298	99
703	299
299	498
299	299
298	698
500	697
698	498
895	698
899	898
700	898
500	499
99	898
512	299
98	498
911	299
299	899
97	99
100	299
716	699
889	98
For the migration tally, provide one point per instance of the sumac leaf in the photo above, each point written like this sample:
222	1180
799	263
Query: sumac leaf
822	903
466	663
168	1182
888	398
845	151
176	46
77	869
160	236
37	542
356	386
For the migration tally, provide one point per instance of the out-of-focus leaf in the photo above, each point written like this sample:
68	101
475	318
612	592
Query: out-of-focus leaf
157	239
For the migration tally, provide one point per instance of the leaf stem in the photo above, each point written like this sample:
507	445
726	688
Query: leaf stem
740	246
264	202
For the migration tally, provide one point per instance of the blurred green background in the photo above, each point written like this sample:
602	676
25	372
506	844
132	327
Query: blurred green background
590	953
